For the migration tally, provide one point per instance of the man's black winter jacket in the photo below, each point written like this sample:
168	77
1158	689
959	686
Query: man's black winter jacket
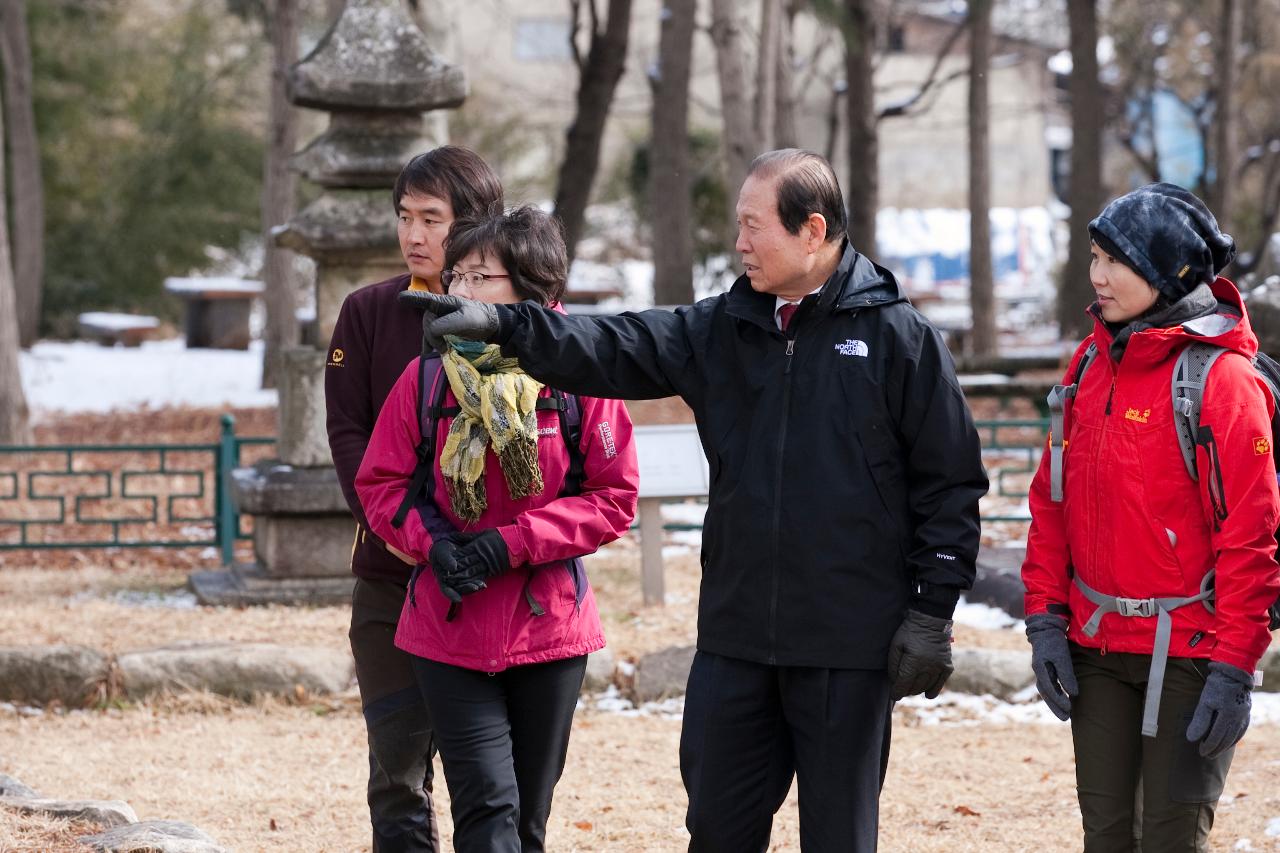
845	467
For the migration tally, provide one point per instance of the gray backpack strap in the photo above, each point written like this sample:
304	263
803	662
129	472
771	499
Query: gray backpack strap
1190	372
1057	400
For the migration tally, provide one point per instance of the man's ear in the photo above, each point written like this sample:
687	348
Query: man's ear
817	225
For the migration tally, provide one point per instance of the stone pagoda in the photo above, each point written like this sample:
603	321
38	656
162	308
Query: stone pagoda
377	77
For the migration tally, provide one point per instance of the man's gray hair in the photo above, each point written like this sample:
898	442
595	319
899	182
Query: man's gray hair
806	184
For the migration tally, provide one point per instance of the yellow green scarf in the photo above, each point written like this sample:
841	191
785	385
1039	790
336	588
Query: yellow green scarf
498	402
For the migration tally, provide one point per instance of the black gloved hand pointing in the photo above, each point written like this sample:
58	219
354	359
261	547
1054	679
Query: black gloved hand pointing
453	315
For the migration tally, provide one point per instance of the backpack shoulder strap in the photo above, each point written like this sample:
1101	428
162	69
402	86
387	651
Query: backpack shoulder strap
1059	398
1189	374
568	408
431	387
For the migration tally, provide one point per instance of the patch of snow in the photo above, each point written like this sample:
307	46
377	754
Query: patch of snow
1266	708
963	709
78	376
109	320
984	616
212	284
690	538
1243	844
1273	828
675	550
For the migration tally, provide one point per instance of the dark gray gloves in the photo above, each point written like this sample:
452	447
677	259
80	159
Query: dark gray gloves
920	656
1222	717
463	561
463	318
1051	662
444	563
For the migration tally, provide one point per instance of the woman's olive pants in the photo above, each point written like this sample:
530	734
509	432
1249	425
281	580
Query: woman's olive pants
1180	789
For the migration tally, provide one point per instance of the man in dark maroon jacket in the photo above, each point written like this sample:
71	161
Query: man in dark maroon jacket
374	339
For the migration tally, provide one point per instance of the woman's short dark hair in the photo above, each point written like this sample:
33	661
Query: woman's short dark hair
455	174
806	184
528	242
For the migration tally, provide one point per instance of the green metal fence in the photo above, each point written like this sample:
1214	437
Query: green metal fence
122	495
176	495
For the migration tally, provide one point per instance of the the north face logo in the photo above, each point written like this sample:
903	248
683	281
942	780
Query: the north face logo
852	348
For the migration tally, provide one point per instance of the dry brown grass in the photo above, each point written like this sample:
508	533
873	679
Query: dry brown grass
289	777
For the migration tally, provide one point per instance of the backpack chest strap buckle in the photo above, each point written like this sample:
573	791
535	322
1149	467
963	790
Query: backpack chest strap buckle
1144	607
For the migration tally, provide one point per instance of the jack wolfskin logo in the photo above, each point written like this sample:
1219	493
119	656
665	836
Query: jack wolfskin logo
1261	446
852	348
1135	415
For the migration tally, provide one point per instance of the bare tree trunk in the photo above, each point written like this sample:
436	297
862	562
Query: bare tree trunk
278	193
438	22
670	202
738	134
1085	194
982	301
767	72
598	79
15	421
784	111
860	105
24	154
333	8
1226	124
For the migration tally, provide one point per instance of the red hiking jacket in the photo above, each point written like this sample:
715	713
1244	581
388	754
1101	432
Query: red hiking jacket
495	628
1133	523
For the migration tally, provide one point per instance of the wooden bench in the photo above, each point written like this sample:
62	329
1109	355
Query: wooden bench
1008	388
110	329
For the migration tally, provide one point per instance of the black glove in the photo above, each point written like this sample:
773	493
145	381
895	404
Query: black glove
483	556
464	318
444	563
920	656
1222	717
1051	662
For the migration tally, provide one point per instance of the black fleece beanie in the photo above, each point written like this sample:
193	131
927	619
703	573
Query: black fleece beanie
1166	235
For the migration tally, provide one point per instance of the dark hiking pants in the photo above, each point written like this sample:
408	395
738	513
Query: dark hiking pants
503	739
395	716
749	728
1179	788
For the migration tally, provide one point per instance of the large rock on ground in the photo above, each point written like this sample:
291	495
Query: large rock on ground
153	836
1270	666
101	812
39	675
599	671
11	787
663	674
241	670
999	672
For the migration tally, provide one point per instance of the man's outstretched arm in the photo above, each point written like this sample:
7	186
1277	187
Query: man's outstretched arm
634	356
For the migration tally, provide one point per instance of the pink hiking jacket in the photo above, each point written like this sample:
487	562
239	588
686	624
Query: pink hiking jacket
496	628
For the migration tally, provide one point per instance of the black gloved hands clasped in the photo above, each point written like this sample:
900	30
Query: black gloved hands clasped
1222	717
1051	662
920	656
453	315
462	562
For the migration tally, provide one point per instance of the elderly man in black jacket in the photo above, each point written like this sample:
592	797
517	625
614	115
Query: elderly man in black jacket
842	522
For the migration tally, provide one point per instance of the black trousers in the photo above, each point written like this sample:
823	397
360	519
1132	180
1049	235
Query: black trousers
1179	789
400	745
749	728
503	740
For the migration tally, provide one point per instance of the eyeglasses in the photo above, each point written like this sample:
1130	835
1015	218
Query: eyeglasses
473	280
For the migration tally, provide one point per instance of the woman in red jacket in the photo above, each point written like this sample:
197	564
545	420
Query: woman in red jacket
501	633
1147	591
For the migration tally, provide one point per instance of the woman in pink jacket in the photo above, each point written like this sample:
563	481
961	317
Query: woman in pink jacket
501	624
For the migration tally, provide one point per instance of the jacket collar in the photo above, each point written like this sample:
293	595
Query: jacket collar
1212	313
858	282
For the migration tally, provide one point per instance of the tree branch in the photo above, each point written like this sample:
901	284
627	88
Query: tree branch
575	9
903	108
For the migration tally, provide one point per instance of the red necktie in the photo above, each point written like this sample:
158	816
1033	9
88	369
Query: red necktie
786	312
